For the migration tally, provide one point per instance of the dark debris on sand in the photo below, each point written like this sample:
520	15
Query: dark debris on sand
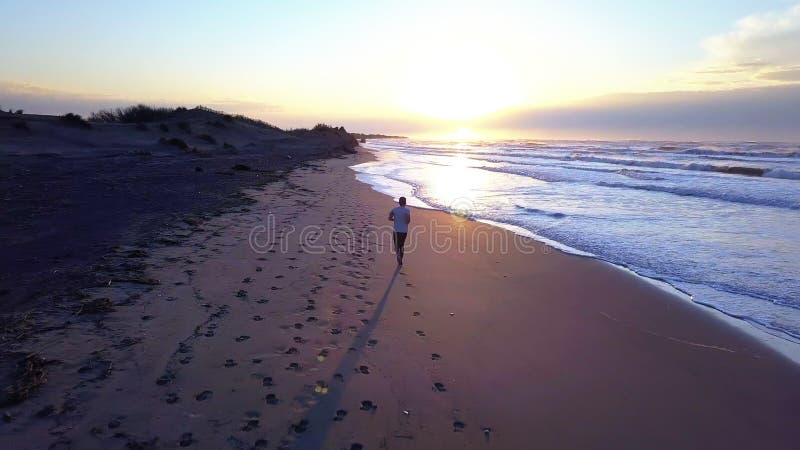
30	374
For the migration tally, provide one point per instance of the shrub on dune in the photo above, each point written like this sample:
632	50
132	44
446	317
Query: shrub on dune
75	120
251	121
132	114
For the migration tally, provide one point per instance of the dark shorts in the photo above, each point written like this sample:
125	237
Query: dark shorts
399	240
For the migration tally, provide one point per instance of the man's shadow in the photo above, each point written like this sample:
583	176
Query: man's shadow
320	417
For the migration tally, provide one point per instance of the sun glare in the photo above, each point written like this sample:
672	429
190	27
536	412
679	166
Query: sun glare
462	84
463	134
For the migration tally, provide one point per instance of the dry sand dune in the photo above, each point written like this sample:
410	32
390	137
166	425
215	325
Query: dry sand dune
308	344
71	193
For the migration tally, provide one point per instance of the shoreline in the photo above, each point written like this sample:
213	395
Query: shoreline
473	349
785	346
777	339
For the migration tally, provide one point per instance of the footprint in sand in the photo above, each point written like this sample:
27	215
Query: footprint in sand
171	398
372	343
299	340
291	351
242	338
439	387
271	399
294	366
166	378
205	395
458	426
340	415
186	440
250	425
267	381
258	318
356	446
436	356
300	427
420	333
364	370
416	313
367	405
230	363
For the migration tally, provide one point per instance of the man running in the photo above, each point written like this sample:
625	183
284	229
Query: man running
401	217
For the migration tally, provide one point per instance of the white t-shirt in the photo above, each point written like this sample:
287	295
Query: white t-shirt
402	216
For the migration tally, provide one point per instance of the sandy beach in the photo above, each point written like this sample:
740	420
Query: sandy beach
286	323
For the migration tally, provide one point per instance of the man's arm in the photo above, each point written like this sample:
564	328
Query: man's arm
408	217
391	215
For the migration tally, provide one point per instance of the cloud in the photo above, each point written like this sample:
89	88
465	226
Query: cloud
757	46
765	113
781	75
770	38
42	100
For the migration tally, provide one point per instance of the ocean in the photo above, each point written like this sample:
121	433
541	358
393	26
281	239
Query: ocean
719	222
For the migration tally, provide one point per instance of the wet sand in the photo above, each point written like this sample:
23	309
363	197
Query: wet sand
311	343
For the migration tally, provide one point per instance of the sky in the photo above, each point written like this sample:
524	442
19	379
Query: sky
535	69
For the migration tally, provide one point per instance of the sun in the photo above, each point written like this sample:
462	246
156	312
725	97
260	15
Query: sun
461	84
